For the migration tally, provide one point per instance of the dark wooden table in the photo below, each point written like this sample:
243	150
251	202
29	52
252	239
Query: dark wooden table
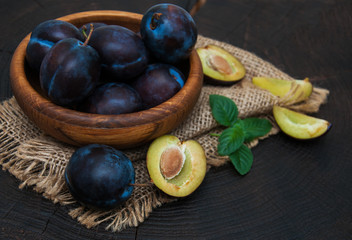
295	190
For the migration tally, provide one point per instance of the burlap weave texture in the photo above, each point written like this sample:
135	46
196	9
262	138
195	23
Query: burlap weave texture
39	161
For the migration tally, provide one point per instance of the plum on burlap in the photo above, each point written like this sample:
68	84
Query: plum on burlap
39	161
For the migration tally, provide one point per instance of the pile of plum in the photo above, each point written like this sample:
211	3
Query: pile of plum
109	69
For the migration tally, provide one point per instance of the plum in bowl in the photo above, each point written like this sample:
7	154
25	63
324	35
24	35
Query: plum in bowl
122	131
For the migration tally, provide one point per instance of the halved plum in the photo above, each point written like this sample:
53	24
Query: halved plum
219	66
177	168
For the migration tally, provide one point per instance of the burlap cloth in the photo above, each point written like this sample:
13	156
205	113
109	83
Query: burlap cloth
39	161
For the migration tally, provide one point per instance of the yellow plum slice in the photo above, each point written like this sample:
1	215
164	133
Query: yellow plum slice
299	125
295	90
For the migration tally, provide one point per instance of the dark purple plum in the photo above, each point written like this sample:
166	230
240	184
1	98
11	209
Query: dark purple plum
169	32
122	51
112	98
85	29
44	36
100	176
158	83
69	72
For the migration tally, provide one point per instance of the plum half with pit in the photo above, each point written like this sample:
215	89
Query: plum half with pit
44	36
112	98
122	51
100	176
220	67
176	167
169	32
69	72
158	83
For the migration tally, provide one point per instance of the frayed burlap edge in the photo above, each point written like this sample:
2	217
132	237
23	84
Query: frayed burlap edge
27	153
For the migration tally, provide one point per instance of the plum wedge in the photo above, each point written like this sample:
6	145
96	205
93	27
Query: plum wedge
295	90
299	125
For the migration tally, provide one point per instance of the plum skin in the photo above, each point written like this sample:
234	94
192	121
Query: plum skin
158	83
169	32
100	176
112	98
44	36
123	53
69	72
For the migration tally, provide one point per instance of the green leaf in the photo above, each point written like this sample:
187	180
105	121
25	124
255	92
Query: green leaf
230	140
255	127
224	110
242	159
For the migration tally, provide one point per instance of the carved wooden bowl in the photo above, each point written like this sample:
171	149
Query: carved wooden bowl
121	131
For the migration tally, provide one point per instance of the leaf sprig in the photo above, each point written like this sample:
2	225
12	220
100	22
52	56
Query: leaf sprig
238	132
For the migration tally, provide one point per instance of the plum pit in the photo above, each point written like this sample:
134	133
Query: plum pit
172	161
218	63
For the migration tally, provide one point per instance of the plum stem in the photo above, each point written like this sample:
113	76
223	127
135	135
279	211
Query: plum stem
154	20
89	35
84	29
196	7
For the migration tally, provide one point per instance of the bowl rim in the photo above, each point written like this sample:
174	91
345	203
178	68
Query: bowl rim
43	106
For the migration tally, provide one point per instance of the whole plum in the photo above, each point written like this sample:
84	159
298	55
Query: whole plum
112	98
44	36
69	72
169	32
100	176
122	51
158	83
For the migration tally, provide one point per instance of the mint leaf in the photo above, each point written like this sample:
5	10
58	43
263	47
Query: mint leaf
255	127
224	110
230	140
242	159
239	131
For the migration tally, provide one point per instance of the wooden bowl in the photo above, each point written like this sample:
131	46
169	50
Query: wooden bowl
121	131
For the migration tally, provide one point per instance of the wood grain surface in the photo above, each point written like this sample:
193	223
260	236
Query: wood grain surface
295	190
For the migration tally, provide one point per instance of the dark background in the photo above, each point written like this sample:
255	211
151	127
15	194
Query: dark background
295	190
